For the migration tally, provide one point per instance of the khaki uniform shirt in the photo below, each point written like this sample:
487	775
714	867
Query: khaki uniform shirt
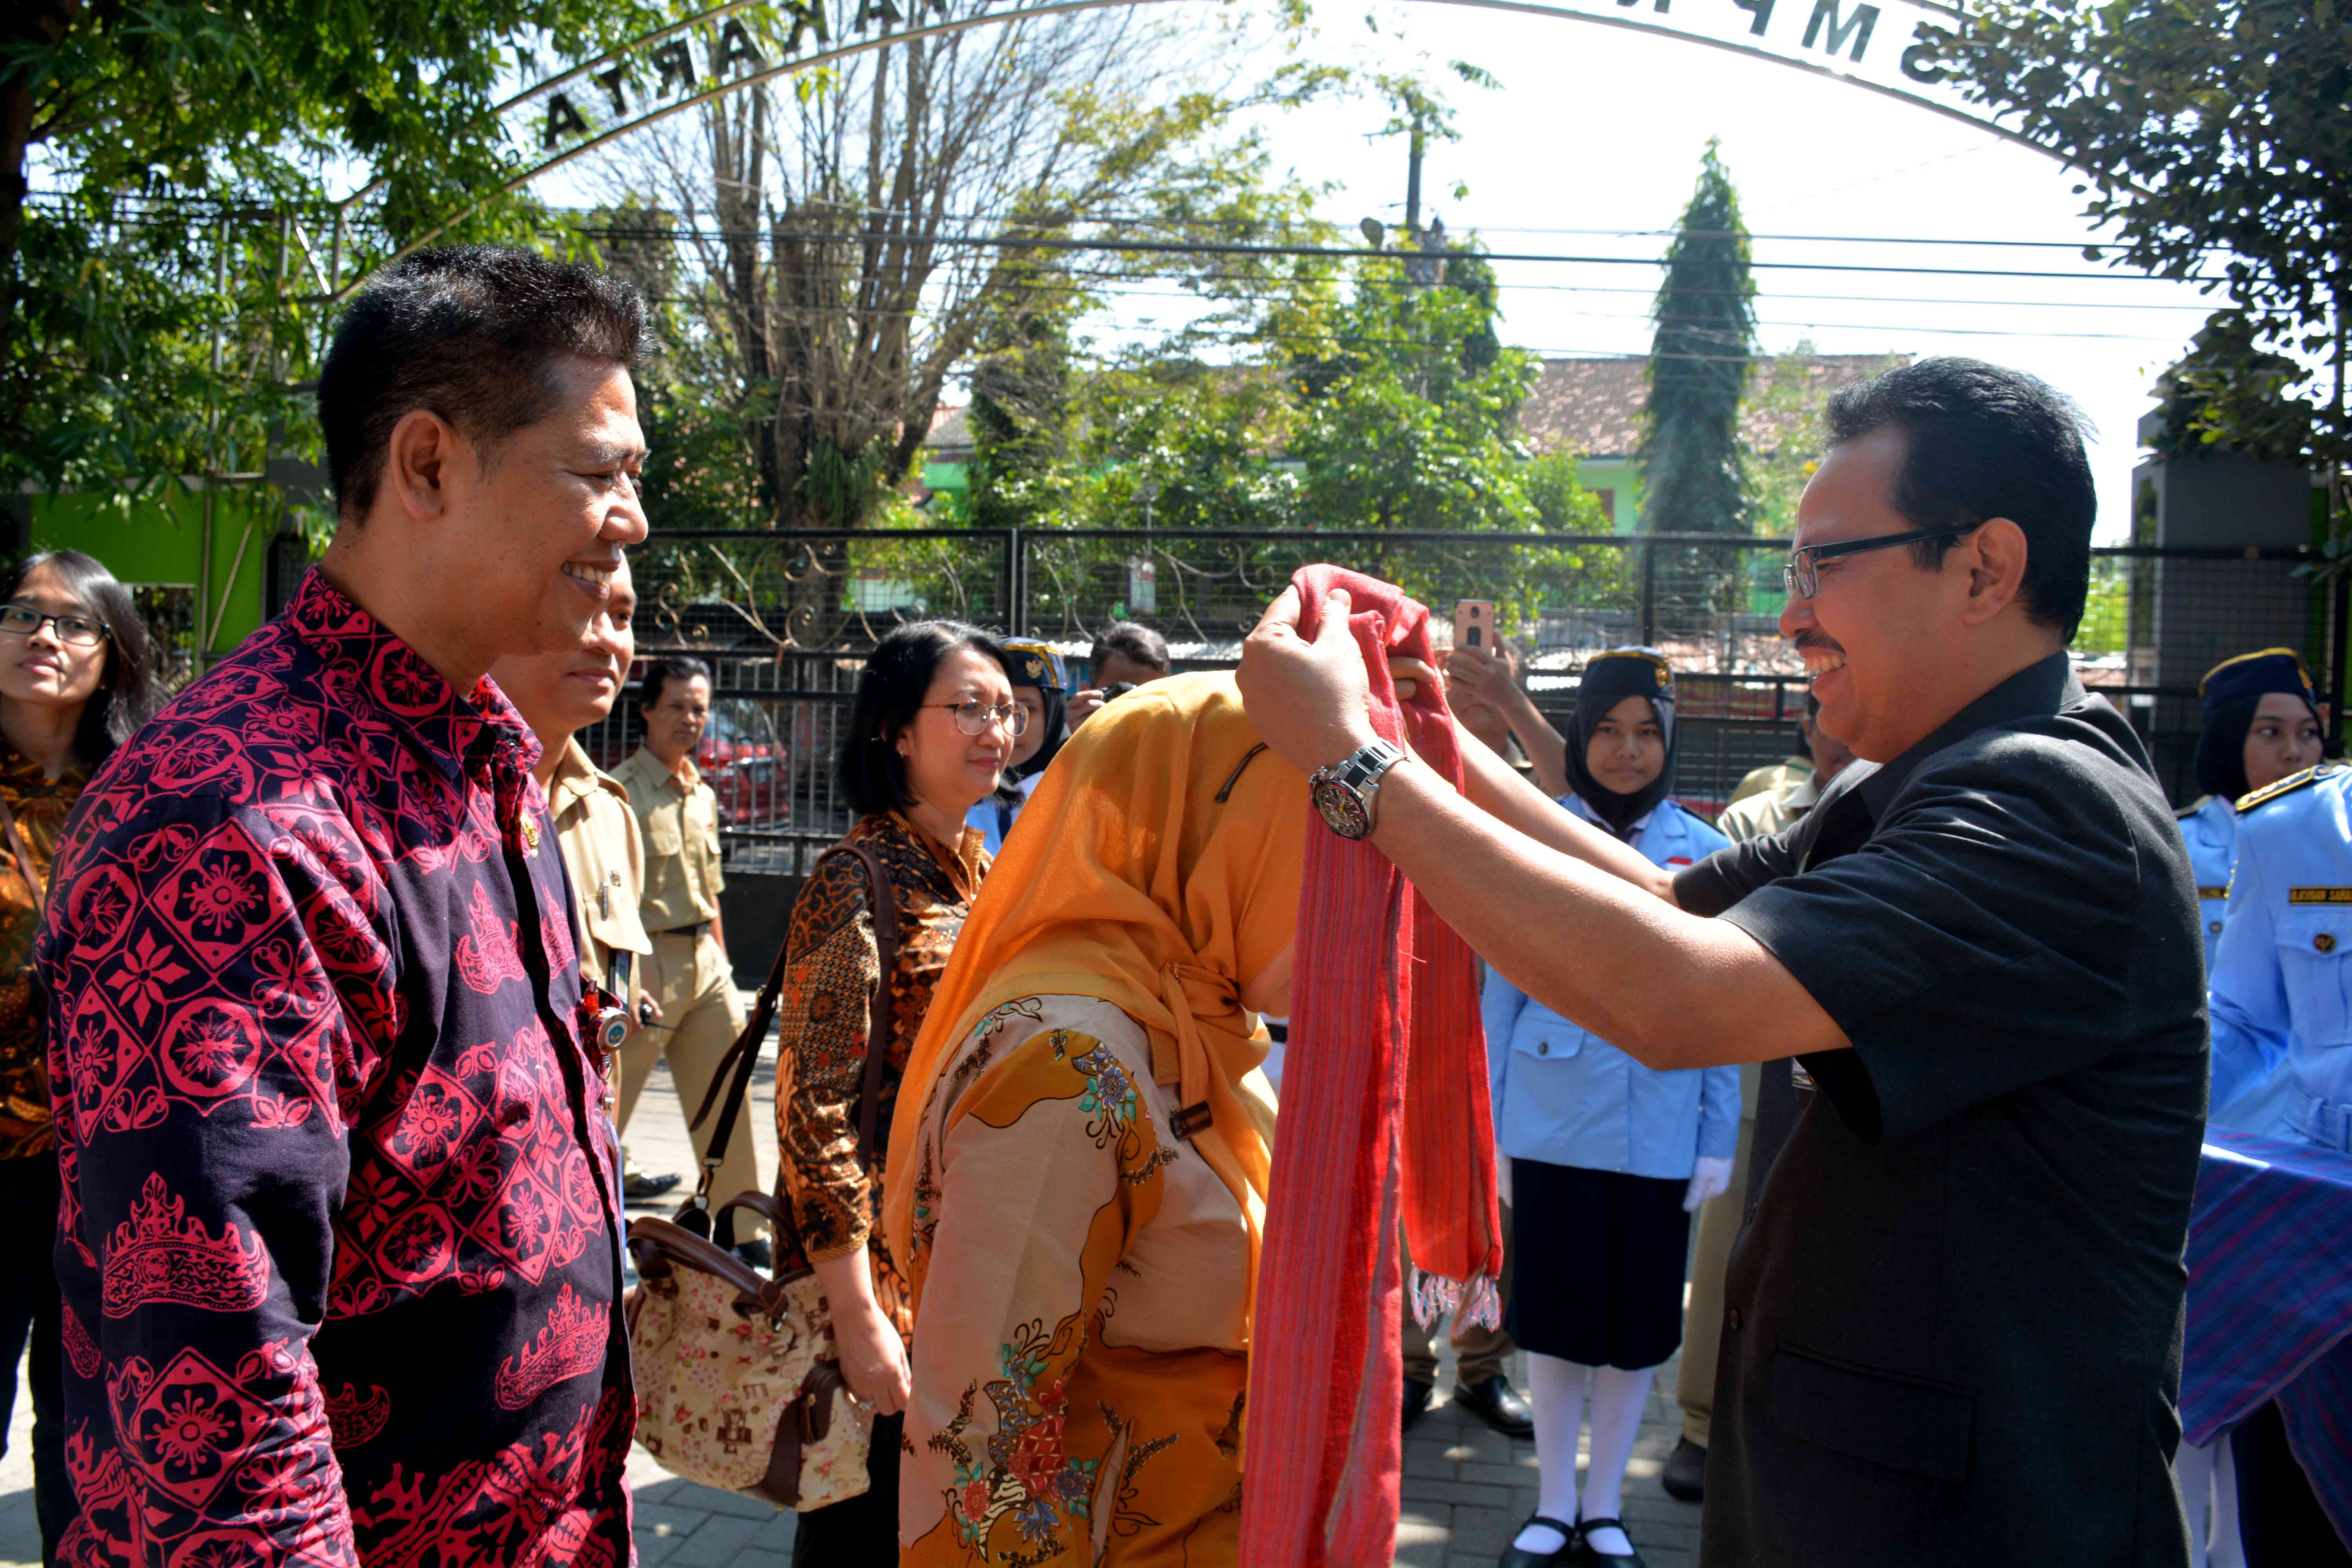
598	835
679	820
1773	812
1773	776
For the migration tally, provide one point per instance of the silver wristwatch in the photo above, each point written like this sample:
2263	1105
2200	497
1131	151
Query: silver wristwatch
1344	791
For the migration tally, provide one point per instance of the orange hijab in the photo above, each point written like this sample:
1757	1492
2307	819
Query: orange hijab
1157	868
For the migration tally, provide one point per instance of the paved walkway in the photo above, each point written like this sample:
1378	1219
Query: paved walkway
1466	1488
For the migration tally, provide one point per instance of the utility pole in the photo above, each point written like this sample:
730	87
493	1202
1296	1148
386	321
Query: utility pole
1413	179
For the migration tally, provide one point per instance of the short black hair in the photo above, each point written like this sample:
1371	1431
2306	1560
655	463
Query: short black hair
660	672
1136	644
128	690
1983	442
890	692
471	333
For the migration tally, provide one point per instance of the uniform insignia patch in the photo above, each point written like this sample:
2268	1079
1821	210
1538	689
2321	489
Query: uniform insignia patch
2288	785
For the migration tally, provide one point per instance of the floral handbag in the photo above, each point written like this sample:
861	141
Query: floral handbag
739	1385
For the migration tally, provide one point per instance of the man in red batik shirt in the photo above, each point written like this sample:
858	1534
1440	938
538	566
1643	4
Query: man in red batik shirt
340	1243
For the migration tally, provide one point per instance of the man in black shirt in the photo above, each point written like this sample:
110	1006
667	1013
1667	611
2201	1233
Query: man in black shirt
1952	1328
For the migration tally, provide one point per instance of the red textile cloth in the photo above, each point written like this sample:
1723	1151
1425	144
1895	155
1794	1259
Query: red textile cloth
1384	1115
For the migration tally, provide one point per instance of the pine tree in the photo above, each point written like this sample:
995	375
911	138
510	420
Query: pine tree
1694	467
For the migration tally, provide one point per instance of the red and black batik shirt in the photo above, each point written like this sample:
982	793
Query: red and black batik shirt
339	1242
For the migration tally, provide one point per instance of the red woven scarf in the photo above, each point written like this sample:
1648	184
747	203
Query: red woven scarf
1384	1116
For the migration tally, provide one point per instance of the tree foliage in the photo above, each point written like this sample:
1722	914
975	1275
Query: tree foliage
2214	134
854	238
186	154
1694	467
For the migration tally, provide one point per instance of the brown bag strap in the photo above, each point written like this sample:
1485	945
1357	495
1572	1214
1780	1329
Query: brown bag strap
877	1031
735	1069
23	858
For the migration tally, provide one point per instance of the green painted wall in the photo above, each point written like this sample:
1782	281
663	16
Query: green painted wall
158	537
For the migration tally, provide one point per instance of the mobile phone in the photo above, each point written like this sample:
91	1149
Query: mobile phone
1474	622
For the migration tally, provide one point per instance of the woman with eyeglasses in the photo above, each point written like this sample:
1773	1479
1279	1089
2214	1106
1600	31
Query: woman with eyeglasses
933	726
76	680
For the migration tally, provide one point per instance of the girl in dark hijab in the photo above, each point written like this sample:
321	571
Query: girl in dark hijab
1617	793
1609	1158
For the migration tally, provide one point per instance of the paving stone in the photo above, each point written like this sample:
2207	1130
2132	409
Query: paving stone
1421	1489
716	1544
1485	1530
1523	1474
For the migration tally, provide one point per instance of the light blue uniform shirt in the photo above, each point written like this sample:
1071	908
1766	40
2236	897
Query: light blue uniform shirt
995	819
2281	980
2210	829
1567	1097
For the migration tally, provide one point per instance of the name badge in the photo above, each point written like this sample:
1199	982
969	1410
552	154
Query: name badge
2221	892
2319	895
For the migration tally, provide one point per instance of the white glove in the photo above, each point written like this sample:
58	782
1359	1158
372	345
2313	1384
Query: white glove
1710	1178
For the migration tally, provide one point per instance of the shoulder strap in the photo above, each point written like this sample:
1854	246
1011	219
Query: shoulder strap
733	1075
877	1033
23	858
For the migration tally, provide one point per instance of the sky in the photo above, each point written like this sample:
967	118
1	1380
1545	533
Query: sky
1593	129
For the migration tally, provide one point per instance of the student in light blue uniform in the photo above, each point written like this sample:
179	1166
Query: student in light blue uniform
2261	723
1038	684
1609	1158
2282	1018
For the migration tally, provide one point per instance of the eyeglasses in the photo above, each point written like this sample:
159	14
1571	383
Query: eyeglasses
973	717
1803	581
74	631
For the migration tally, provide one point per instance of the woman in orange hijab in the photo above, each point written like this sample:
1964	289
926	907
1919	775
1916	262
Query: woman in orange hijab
1091	1156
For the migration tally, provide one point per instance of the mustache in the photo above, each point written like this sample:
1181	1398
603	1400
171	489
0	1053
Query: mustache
1810	638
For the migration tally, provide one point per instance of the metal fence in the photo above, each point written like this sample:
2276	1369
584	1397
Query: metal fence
785	618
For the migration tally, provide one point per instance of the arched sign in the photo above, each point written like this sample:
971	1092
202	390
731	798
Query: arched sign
1884	45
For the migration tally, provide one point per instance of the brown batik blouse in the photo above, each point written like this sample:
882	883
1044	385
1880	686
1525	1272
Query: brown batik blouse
832	967
39	806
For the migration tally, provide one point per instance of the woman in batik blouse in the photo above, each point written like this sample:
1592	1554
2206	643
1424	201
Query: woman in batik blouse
76	678
932	726
1090	1161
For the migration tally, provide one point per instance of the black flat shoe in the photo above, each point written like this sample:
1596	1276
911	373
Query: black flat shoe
757	1253
1517	1556
641	1188
1499	1405
1685	1474
1416	1400
1585	1553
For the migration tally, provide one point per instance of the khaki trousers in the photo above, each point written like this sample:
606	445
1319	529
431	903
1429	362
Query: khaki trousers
1719	1227
688	976
1479	1353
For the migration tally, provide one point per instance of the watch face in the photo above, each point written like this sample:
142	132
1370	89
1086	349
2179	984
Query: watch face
1342	809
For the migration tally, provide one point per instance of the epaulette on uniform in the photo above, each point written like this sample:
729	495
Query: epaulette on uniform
2192	808
2288	785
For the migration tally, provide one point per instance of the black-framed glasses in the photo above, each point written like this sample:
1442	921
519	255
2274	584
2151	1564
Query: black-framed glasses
74	631
973	717
1802	579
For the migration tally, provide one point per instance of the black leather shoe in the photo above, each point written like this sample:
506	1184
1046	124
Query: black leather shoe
1416	1400
756	1253
1685	1476
1586	1554
641	1188
1499	1405
1517	1556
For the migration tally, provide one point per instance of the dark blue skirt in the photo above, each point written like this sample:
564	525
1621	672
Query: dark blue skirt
1597	1261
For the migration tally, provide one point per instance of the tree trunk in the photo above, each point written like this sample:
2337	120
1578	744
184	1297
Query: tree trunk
33	26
